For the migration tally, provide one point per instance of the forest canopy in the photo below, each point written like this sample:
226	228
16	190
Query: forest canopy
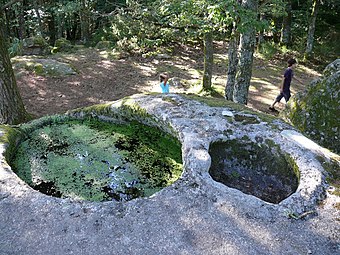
145	25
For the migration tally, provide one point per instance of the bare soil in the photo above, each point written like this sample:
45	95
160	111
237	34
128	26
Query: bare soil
101	79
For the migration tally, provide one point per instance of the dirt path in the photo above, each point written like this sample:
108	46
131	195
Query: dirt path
101	79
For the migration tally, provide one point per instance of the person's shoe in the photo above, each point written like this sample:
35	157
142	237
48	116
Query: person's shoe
273	109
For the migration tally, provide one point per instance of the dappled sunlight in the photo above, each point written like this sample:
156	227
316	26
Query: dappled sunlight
73	83
220	58
107	64
219	80
101	78
146	70
308	71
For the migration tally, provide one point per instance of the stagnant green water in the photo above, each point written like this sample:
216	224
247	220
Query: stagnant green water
98	161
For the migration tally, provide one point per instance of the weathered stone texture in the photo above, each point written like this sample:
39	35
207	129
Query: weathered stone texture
195	215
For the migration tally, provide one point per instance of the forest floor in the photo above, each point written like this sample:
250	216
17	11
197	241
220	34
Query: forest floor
101	78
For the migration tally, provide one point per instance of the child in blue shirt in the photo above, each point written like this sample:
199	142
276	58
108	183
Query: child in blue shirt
163	78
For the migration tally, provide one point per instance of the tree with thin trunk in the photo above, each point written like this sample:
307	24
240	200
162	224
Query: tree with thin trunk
12	110
208	60
311	28
287	24
84	21
21	21
245	54
232	63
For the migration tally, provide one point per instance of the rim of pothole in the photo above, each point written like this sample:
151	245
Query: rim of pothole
196	125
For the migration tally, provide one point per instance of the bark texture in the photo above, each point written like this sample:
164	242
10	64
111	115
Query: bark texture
84	21
232	65
12	110
208	60
286	24
311	28
21	20
245	63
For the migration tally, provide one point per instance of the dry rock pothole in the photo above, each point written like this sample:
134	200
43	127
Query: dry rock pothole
257	169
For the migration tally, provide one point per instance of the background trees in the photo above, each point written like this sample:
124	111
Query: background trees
152	23
278	27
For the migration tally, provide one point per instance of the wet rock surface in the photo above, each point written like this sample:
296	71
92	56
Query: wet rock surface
195	215
96	160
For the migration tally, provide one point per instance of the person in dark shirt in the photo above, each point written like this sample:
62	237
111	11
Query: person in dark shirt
285	87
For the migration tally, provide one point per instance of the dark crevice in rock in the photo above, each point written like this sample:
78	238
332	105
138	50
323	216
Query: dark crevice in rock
257	169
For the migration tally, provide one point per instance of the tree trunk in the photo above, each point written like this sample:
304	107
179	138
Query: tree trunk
232	64
51	28
208	60
61	25
311	29
261	35
21	20
246	49
36	9
286	25
85	22
12	110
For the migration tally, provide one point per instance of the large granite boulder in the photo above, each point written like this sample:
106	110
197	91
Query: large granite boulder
36	45
316	111
44	67
234	160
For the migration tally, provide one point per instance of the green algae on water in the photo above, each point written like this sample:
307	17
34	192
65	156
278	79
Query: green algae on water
98	161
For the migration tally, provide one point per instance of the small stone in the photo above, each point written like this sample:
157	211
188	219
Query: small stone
227	113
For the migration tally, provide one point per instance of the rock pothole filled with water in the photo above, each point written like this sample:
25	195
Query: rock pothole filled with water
259	168
98	161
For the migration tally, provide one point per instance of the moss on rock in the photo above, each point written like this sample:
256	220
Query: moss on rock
95	160
62	45
316	111
44	67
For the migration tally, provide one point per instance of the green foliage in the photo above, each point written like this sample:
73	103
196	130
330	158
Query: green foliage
15	48
142	26
270	50
332	166
86	159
